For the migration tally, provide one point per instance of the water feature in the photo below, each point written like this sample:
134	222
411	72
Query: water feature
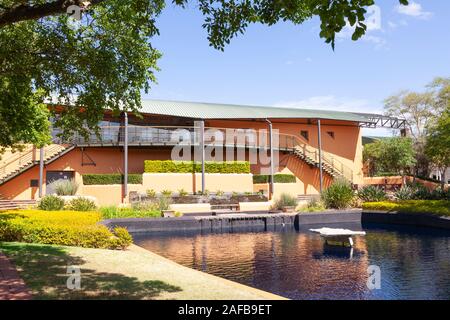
414	262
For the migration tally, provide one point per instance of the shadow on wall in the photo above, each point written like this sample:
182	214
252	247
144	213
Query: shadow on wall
51	264
310	176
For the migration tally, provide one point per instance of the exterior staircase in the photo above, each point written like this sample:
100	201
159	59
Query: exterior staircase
20	162
16	204
309	154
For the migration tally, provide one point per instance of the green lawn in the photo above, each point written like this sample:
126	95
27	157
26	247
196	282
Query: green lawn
134	273
436	207
44	268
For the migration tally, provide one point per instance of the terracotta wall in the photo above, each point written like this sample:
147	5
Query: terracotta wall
346	145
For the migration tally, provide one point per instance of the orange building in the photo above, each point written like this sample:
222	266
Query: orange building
314	145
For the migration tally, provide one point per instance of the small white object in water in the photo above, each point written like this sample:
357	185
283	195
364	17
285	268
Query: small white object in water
338	232
338	235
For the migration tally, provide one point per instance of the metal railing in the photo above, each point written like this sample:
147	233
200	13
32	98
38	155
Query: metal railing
28	157
226	137
14	163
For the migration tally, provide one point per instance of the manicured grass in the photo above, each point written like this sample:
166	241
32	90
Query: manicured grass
71	228
134	273
437	207
44	270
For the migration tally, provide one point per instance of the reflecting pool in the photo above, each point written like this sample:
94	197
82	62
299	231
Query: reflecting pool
414	262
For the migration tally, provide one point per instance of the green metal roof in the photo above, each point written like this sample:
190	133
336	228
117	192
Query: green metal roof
200	110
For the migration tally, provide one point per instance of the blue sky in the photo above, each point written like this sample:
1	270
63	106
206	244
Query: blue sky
288	65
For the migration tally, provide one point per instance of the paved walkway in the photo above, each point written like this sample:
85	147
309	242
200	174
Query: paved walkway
12	286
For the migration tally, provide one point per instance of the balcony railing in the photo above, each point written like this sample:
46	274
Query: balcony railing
190	136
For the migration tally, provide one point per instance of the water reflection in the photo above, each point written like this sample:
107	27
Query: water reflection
297	264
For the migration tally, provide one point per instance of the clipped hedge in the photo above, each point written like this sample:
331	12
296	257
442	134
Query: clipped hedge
169	166
111	178
278	178
69	228
437	207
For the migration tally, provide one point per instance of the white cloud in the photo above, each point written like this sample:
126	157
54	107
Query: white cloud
415	10
331	102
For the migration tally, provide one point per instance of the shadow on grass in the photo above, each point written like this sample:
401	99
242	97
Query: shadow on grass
44	270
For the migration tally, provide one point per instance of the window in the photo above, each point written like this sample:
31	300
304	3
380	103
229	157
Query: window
304	134
331	134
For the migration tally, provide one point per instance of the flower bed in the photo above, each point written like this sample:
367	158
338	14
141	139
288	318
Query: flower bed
436	207
70	228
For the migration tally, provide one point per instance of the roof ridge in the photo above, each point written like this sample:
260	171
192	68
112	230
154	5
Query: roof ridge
249	106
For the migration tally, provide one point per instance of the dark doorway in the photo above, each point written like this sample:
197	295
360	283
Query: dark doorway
53	176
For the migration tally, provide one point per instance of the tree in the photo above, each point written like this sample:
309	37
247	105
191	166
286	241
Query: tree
105	60
371	154
420	110
438	143
393	155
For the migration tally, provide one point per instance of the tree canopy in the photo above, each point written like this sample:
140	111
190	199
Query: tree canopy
389	155
105	60
421	110
437	147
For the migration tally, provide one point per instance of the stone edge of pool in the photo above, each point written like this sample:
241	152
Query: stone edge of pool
411	219
256	293
236	221
271	220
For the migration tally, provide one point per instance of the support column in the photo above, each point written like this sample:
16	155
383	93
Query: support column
319	139
41	172
125	156
272	169
202	149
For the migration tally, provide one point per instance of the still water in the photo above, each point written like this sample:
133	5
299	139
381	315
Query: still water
414	262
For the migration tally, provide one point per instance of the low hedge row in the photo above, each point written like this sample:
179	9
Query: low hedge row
278	178
169	166
437	207
111	178
69	228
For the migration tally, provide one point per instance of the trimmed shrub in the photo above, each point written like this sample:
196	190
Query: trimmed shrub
285	200
110	178
69	228
437	207
51	203
123	238
371	194
339	195
65	187
278	178
169	166
81	204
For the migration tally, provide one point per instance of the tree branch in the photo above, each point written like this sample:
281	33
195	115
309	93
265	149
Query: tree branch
23	12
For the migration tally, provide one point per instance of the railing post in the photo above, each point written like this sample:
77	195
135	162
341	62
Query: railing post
125	156
319	139
202	149
41	171
271	191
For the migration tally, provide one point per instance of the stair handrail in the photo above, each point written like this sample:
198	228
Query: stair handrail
312	152
23	157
